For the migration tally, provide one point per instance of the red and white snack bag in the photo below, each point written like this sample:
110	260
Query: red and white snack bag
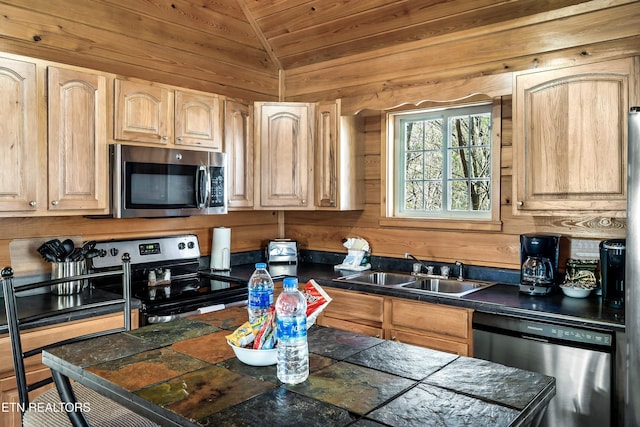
265	338
317	300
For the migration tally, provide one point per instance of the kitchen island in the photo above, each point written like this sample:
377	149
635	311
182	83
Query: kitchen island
184	373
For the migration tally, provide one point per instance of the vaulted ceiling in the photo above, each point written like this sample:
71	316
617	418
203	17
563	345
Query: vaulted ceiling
249	48
298	33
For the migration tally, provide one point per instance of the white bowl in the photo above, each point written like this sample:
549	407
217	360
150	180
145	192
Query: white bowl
255	357
575	292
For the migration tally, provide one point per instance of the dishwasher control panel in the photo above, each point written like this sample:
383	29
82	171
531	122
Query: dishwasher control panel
566	333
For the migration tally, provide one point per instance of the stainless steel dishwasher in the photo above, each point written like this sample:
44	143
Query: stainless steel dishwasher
580	359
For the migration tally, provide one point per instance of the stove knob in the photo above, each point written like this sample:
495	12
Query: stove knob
181	246
191	245
113	251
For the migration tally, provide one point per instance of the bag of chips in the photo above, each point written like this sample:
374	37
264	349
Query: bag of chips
246	333
317	300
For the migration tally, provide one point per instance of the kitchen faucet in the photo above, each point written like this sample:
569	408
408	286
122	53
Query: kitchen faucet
461	266
407	255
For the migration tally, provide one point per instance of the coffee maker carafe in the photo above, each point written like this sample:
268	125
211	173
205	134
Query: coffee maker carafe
612	270
539	256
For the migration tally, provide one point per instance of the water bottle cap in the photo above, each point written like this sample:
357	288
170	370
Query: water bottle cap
290	282
261	265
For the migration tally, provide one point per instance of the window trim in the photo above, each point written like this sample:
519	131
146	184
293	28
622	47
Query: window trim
387	183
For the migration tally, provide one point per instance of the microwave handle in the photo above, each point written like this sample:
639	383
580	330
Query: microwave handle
203	186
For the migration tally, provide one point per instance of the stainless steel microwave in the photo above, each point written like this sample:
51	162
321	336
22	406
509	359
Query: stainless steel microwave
152	182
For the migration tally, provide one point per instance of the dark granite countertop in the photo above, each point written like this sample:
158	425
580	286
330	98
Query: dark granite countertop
192	377
503	298
70	306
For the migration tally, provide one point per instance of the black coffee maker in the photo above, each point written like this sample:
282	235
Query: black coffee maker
612	270
539	254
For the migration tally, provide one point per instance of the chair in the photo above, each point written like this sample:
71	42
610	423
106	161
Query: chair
105	412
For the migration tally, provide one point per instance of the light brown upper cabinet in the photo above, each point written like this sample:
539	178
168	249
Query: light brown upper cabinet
143	112
284	161
339	159
20	169
62	171
570	144
238	142
78	155
198	119
147	112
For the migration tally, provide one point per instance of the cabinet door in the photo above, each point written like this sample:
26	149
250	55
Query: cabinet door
570	139
238	131
339	159
284	156
143	112
431	325
9	394
19	163
354	311
198	119
327	155
78	158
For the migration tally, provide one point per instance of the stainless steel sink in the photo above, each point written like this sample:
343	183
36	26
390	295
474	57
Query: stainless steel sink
420	284
457	288
379	278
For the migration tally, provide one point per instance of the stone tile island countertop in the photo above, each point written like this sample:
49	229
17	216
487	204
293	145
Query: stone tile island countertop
184	373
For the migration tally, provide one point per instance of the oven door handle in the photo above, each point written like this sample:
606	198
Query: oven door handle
171	317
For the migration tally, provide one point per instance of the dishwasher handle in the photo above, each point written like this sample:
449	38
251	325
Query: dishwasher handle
532	338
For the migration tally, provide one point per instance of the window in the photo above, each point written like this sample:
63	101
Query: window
442	164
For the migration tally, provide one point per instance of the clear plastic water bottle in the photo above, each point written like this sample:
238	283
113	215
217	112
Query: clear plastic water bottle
260	292
293	350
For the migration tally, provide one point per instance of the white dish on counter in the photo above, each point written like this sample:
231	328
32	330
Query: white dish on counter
253	357
576	291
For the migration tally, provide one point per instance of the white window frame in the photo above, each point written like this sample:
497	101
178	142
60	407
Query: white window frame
392	215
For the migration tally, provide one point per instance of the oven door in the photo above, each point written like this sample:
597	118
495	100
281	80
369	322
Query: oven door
188	297
160	182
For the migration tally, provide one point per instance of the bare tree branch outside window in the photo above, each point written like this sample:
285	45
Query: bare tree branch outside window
447	162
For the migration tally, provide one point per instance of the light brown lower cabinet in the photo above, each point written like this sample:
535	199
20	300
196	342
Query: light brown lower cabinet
36	371
435	326
354	311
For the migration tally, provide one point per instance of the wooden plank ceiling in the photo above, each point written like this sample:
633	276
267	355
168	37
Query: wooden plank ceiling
308	32
249	47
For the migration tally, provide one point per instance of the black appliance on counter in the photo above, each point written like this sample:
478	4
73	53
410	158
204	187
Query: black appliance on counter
539	255
165	277
612	270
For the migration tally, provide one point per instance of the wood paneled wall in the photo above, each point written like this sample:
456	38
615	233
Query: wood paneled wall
210	46
249	230
192	44
463	47
325	230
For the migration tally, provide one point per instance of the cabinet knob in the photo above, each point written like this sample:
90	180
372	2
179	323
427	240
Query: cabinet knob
55	203
304	202
520	203
33	203
165	138
394	338
179	139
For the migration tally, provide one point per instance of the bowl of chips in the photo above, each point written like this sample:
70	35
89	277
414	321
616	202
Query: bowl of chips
253	357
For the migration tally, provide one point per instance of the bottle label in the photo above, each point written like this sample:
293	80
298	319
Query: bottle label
260	299
292	328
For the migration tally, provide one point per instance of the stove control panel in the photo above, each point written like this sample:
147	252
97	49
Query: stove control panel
148	250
